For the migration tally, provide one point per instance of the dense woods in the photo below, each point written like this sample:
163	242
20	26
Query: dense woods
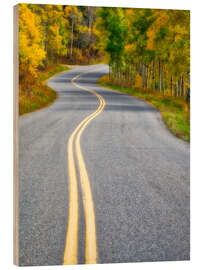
149	48
52	34
146	48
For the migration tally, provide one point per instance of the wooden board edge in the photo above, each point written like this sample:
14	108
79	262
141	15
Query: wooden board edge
15	136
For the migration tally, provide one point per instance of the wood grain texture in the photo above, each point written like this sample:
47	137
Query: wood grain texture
15	134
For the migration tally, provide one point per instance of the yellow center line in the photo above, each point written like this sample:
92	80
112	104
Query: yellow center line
70	253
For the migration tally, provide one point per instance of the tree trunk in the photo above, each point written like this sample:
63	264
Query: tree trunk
71	45
159	76
146	76
163	79
143	77
182	86
171	85
188	95
154	75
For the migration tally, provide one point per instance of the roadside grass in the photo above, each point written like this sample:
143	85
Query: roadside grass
40	95
175	111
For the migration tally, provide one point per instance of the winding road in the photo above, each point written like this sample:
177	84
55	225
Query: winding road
101	179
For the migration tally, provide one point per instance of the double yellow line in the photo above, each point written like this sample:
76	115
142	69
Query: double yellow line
71	245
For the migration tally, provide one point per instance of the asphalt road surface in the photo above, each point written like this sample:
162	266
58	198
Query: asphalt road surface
128	199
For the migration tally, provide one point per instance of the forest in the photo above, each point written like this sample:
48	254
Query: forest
144	46
149	46
54	34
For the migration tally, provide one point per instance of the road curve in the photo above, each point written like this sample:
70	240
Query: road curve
138	173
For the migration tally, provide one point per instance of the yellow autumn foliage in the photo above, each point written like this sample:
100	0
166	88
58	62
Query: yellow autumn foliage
31	48
73	12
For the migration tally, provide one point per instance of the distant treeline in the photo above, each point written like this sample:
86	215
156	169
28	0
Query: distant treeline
145	47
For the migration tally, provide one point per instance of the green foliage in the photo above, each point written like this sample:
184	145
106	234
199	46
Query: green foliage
114	24
148	47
